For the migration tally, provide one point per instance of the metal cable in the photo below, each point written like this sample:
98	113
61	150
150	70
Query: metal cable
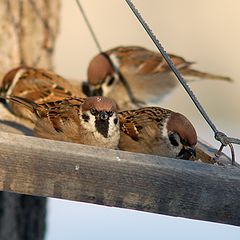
116	70
89	26
219	136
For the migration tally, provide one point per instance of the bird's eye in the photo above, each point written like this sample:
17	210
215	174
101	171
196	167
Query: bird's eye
172	139
184	142
110	113
93	111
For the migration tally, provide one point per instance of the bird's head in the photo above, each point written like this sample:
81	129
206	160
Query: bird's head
181	135
99	115
101	76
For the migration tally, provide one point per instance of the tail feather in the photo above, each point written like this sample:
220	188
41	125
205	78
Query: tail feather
30	105
23	102
204	75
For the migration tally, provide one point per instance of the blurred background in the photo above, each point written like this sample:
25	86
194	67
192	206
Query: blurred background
201	31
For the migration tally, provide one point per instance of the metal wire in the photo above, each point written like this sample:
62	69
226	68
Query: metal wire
219	136
89	26
116	70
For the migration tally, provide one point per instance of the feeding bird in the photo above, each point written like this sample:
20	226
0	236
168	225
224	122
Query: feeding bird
92	121
145	71
157	131
95	121
38	85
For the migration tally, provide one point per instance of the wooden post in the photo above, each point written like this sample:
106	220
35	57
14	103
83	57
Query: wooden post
28	30
115	178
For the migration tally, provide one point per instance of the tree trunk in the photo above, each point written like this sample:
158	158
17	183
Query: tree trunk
28	29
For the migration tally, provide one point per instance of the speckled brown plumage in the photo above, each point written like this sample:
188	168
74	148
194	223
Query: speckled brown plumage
145	71
158	131
38	85
66	120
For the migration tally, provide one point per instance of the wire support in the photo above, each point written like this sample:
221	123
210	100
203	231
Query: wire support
219	136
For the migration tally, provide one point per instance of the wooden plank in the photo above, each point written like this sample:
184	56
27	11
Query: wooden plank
115	178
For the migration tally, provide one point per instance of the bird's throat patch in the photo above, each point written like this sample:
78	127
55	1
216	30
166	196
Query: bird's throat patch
102	127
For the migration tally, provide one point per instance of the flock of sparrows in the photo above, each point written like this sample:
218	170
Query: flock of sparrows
101	112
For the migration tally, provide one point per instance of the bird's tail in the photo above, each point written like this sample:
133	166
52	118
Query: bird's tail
23	102
197	75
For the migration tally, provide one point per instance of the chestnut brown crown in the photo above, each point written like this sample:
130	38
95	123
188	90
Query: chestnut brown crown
100	104
98	69
180	124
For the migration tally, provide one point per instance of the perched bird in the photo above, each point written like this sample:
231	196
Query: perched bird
91	121
146	72
157	131
94	121
38	85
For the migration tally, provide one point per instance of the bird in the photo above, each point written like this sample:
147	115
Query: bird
91	121
36	84
95	121
157	131
145	72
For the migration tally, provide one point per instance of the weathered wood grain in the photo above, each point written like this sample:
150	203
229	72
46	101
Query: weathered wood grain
114	178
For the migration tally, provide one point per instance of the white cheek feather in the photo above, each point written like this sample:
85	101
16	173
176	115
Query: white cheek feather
113	128
113	131
175	149
90	124
107	89
19	73
90	127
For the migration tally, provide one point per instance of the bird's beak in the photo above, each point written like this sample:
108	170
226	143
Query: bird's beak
97	91
187	153
103	116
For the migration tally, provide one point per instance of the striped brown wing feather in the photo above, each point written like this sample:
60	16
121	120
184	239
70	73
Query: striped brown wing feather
59	112
135	123
39	85
147	61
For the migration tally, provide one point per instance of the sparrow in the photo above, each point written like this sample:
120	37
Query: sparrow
157	131
92	121
146	72
38	85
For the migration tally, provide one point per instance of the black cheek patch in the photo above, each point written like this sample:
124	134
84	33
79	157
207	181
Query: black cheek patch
115	121
110	81
85	117
173	140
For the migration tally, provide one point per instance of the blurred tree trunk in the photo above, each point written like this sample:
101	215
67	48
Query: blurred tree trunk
28	30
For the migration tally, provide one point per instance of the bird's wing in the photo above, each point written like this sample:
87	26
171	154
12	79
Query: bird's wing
146	61
38	85
143	122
